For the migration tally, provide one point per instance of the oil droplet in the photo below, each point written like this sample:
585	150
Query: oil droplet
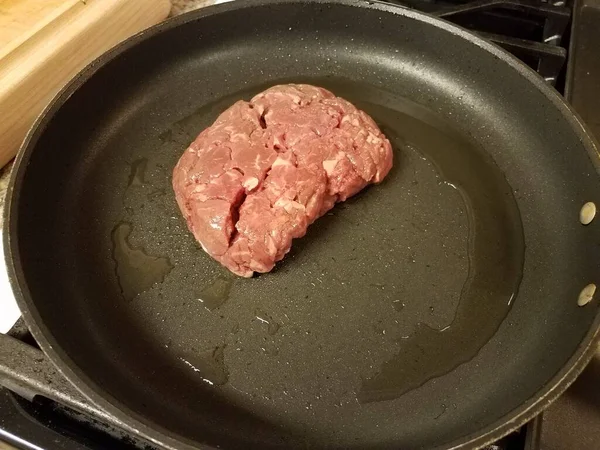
216	293
398	305
272	325
272	351
136	270
378	328
138	172
167	136
209	365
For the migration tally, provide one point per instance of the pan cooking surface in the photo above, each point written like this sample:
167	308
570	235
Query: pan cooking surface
416	314
398	285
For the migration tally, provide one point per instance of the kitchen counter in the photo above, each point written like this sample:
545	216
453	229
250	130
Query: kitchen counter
4	177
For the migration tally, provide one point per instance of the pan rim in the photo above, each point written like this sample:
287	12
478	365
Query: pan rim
132	421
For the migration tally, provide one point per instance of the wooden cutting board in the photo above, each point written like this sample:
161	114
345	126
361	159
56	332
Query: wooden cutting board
44	43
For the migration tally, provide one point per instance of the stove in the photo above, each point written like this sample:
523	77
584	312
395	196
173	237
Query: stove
557	38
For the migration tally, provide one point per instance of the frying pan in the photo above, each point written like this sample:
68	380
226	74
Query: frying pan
435	310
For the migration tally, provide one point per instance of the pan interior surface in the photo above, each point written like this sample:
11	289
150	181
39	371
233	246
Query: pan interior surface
396	320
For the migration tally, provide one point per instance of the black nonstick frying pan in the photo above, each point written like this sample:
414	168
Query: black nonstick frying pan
436	310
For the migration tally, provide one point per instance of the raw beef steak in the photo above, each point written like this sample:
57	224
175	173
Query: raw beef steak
266	169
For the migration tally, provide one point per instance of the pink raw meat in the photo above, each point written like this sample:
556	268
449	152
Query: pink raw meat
268	168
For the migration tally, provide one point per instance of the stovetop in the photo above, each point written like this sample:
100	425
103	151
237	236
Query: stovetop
556	38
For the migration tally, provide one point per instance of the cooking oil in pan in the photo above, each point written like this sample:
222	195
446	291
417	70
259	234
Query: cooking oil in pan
210	365
138	172
267	319
216	293
136	270
495	253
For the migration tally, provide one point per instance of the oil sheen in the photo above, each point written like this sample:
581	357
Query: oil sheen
136	270
495	252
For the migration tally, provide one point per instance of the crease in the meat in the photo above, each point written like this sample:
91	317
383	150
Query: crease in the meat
238	170
235	216
281	144
261	119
